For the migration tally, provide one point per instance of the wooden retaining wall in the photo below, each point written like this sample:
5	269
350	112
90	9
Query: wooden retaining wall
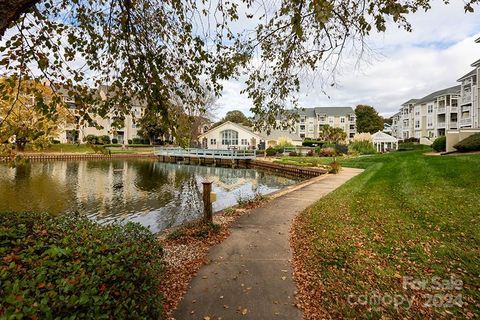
294	170
72	156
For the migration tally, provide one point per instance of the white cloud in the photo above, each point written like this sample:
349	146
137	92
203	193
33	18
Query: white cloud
407	65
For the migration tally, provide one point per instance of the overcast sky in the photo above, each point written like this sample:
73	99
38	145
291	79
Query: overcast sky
406	65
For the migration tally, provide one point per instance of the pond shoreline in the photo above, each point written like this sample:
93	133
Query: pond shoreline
78	156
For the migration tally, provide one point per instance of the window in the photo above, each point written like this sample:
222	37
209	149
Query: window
302	135
213	141
342	120
302	119
302	127
330	119
244	142
430	108
417	124
229	137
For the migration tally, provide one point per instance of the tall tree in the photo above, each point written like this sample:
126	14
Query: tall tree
21	123
159	50
332	134
235	116
151	126
368	119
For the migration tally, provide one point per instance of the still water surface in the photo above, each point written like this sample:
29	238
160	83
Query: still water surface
155	194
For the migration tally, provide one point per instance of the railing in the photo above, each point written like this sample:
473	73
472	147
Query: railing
453	109
466	108
441	124
453	125
441	110
466	98
466	122
205	153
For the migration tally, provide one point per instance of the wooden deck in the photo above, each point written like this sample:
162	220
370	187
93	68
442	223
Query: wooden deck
206	153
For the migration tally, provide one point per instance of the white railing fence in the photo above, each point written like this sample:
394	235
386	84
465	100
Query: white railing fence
205	153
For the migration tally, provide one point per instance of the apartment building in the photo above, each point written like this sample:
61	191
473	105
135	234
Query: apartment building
453	108
428	117
311	121
72	132
469	113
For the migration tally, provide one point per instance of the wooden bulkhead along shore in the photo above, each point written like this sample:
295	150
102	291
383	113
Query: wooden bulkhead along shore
73	156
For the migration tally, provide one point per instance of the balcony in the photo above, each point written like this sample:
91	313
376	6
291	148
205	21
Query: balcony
466	122
466	98
441	124
453	109
441	110
453	125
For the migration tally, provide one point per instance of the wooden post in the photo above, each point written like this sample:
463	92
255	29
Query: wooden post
207	203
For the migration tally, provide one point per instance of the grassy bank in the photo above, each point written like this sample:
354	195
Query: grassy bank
407	215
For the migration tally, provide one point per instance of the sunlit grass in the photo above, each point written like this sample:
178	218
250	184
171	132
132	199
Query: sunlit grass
407	215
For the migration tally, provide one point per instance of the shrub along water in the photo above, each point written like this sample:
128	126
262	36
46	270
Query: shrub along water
69	266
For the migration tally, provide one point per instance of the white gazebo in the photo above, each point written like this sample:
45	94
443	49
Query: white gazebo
384	142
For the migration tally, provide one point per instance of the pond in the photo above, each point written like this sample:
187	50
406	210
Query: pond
155	194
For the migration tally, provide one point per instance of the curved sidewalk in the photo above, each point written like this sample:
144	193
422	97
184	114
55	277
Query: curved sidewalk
249	276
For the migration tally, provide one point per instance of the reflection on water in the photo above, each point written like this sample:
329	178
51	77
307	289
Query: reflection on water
156	194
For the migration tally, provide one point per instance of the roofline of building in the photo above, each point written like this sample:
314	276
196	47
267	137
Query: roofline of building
235	124
468	75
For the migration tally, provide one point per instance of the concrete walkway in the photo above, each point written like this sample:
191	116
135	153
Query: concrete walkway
250	276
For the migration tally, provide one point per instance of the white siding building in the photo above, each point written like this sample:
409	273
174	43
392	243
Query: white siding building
428	117
230	135
73	132
450	109
311	121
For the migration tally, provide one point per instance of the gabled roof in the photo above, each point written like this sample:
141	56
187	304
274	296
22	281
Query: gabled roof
273	135
312	112
410	102
478	40
238	125
383	137
432	96
277	134
334	111
468	75
476	63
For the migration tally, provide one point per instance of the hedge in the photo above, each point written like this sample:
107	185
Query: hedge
440	144
71	267
312	143
471	143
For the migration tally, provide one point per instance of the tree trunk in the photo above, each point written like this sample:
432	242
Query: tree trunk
21	145
10	11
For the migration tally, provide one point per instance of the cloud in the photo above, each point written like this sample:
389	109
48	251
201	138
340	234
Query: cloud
405	65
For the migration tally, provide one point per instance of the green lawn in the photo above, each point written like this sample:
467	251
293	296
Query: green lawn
407	215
